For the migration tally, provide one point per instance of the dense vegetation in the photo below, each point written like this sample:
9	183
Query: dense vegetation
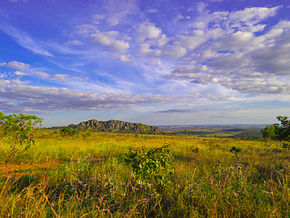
278	131
103	174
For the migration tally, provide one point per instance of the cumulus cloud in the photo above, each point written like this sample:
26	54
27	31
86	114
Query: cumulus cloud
42	74
147	31
173	51
235	56
125	58
146	49
16	65
18	73
110	39
252	16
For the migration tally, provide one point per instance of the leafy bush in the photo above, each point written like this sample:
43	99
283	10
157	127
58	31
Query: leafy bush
269	132
20	132
66	131
278	131
283	130
156	164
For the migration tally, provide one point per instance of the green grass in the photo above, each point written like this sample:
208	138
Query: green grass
83	177
225	132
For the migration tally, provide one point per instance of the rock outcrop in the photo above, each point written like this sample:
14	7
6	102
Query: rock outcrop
116	126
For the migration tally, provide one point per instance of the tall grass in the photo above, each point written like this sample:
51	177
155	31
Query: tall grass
83	177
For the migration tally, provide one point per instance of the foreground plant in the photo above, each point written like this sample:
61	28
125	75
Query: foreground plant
19	130
156	164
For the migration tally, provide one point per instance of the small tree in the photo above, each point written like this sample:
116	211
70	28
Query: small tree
20	131
278	131
283	130
269	133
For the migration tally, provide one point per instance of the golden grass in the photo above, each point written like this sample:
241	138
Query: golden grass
209	180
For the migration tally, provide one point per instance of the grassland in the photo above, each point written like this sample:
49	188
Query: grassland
237	132
83	176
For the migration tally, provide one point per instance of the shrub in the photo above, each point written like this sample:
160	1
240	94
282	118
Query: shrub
278	131
283	130
66	131
20	132
156	164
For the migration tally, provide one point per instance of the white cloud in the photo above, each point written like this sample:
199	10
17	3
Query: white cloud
17	65
237	58
125	58
18	73
191	42
62	77
44	99
42	74
145	49
4	82
108	39
173	51
147	31
251	16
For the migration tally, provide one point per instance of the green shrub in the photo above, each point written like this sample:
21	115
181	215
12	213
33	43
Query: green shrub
278	131
156	164
19	130
66	131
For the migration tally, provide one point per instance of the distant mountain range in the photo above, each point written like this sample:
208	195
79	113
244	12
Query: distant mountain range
222	130
116	126
207	126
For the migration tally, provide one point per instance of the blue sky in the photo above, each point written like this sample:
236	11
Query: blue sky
155	62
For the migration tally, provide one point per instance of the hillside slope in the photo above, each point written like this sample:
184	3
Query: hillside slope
117	126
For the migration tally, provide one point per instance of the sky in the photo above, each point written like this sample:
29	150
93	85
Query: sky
159	62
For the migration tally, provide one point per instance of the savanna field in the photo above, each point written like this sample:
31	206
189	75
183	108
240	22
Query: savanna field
139	175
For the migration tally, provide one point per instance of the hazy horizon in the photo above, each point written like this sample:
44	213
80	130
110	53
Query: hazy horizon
153	62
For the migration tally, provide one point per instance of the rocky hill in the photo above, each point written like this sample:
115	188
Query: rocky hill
116	126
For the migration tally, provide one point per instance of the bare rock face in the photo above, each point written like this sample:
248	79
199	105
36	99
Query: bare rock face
116	126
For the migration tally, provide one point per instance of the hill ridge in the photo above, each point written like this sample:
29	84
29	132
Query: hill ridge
116	126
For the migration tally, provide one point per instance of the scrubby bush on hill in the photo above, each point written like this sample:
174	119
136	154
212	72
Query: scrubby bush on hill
278	131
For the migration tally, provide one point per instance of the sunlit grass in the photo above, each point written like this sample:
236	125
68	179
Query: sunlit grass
78	176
